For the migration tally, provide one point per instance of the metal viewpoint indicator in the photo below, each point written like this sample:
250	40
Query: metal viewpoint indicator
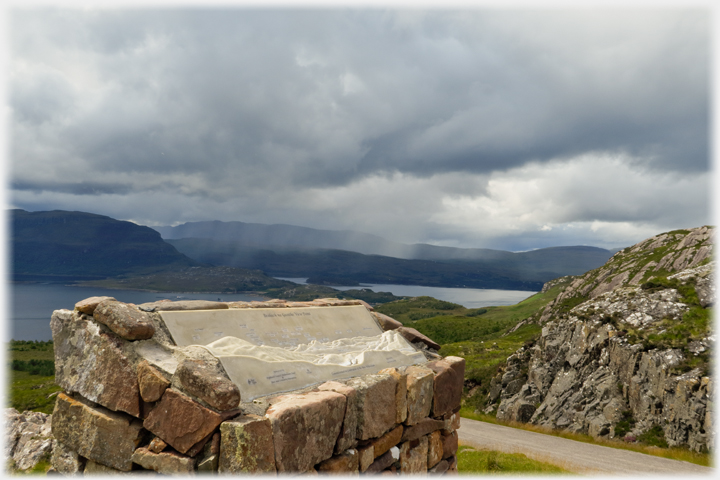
273	350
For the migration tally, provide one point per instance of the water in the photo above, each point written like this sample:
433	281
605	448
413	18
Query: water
32	304
467	297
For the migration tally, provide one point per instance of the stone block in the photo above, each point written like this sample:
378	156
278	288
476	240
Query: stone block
387	441
452	423
376	404
440	468
181	421
96	433
151	382
435	448
348	431
400	393
414	456
449	444
423	427
448	384
157	445
305	428
168	463
182	305
66	460
344	464
209	458
94	468
384	461
452	466
246	445
88	305
366	456
413	336
208	383
419	393
94	363
125	320
387	323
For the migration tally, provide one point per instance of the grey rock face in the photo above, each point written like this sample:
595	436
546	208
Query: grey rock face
29	438
584	375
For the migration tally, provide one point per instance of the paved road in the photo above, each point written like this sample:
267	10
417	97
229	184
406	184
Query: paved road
577	457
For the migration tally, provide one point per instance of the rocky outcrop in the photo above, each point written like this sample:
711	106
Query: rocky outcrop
29	441
624	349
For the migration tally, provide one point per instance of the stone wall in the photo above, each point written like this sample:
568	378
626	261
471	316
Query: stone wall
133	400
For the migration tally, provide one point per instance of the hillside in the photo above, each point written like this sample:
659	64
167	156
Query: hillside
60	245
624	350
511	271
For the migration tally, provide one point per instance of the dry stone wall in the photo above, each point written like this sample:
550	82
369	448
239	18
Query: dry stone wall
133	400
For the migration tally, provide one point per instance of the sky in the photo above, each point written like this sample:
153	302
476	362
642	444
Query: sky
515	128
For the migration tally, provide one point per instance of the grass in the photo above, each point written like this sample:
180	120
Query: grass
484	461
30	391
673	453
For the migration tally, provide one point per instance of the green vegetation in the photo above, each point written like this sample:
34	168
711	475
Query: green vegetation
625	425
654	437
32	386
483	461
478	335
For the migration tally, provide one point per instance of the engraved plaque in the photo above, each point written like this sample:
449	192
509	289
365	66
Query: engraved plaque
273	350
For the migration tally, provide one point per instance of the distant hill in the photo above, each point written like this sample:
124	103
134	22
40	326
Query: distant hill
288	238
284	236
510	271
61	245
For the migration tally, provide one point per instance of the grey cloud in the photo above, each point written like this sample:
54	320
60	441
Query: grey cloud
216	108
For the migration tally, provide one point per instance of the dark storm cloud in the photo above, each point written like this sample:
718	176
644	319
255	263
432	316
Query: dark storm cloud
264	110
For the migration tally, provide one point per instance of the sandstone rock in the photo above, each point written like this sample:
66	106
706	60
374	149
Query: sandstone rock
452	466
208	383
422	428
66	461
246	446
88	305
440	468
412	335
376	404
181	421
124	320
182	305
387	323
419	393
96	433
386	442
94	363
344	464
400	393
151	382
414	456
435	448
348	432
366	456
305	428
209	459
384	461
157	445
168	463
95	468
448	384
449	444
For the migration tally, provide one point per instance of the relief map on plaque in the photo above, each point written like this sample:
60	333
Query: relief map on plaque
273	350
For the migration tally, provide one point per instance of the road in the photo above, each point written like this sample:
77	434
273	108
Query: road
576	457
